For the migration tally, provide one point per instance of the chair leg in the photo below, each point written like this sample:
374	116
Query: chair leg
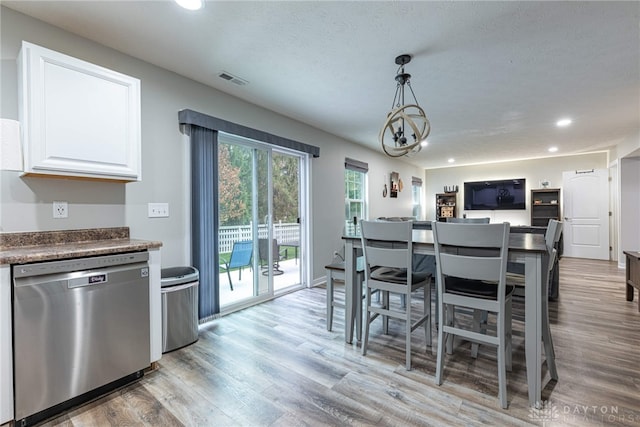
477	320
358	309
508	334
230	282
407	310
427	312
441	345
385	319
549	353
480	318
329	301
449	313
502	354
365	339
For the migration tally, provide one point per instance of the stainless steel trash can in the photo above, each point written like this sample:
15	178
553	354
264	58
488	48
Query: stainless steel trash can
179	287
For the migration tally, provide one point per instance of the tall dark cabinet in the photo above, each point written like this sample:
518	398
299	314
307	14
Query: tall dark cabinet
446	206
545	205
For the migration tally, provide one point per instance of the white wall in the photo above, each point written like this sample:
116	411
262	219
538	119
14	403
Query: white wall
26	202
628	161
630	147
629	206
328	194
534	171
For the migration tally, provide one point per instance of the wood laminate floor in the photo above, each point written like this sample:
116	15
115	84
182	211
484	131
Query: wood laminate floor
277	365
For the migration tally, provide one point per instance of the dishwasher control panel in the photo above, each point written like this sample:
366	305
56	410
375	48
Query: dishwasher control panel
79	264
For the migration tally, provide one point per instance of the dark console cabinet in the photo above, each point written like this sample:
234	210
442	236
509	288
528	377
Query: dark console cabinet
633	274
545	205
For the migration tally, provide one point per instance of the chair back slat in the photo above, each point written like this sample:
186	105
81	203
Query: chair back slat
466	267
472	251
387	244
399	231
552	259
469	220
552	236
387	257
470	235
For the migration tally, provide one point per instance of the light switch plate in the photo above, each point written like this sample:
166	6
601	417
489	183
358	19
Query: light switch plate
158	210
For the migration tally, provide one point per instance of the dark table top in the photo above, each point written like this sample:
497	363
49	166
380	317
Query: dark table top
519	242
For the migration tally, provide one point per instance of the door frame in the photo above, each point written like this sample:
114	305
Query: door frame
304	205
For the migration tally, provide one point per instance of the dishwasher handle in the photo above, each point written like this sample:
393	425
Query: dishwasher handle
88	280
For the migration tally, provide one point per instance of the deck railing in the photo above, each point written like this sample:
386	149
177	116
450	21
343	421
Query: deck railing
283	232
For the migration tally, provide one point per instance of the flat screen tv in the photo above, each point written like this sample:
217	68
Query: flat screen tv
495	194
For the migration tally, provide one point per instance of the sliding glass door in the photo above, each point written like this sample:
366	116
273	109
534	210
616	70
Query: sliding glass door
286	224
260	237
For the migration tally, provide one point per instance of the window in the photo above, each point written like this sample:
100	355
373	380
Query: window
355	193
416	197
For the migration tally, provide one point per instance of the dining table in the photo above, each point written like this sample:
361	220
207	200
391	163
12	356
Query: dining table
524	248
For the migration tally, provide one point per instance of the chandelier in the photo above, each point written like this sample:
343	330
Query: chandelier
394	133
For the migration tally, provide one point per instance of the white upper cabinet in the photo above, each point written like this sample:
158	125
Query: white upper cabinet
78	119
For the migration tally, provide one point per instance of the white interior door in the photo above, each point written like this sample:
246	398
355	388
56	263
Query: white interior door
586	214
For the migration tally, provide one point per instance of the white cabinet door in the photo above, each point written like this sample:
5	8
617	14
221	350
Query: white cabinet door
6	351
78	119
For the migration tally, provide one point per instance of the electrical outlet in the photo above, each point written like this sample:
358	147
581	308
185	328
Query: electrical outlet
158	210
60	210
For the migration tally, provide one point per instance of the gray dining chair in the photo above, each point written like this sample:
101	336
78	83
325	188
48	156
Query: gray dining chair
480	317
551	238
547	340
336	273
471	264
388	262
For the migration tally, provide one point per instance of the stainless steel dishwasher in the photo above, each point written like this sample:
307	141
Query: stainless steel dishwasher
81	329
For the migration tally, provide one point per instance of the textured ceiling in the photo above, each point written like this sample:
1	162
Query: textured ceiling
493	77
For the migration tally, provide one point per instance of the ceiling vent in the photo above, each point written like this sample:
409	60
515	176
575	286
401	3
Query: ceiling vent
233	79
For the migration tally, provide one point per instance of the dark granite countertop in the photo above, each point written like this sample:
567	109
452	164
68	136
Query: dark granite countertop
26	247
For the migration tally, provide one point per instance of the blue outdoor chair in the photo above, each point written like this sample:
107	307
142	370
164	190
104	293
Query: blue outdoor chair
240	257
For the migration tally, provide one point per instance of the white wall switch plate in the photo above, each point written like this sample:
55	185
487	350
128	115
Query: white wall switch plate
60	210
158	210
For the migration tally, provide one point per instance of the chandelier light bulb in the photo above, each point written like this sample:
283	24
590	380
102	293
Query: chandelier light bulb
191	4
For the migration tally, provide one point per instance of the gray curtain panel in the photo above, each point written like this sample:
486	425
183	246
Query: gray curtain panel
204	218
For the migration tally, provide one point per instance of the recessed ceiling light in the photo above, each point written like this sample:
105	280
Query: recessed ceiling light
563	122
191	4
424	143
451	160
553	149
